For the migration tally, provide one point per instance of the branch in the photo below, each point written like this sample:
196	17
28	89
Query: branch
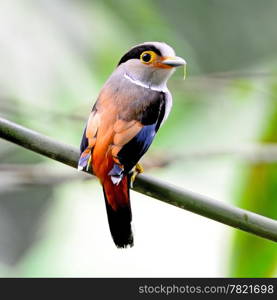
196	203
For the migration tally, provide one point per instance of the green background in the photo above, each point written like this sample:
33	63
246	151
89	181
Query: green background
218	140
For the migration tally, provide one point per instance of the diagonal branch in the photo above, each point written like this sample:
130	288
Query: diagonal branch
196	203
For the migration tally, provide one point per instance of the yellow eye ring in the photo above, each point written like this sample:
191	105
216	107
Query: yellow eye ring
147	57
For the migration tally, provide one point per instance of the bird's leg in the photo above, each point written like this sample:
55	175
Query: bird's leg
137	170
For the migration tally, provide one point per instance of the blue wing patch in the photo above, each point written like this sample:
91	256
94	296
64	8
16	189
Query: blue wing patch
84	142
85	153
150	116
131	153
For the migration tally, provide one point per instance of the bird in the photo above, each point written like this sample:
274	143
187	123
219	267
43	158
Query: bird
132	105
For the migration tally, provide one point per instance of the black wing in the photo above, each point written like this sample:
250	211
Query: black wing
151	118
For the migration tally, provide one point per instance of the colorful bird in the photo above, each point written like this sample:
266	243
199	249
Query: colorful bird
132	105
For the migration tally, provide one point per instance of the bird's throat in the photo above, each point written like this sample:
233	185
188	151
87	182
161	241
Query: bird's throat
148	85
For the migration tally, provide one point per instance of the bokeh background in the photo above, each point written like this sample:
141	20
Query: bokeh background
218	141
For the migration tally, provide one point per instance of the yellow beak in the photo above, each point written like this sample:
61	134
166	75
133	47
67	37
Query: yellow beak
174	61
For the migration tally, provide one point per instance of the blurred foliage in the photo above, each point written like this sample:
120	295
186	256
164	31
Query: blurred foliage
56	55
253	256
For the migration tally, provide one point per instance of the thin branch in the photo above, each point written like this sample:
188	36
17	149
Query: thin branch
199	204
22	174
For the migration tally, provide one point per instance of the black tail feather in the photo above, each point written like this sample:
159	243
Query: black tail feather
120	224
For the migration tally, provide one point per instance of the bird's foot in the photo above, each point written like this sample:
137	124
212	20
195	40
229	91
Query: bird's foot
137	170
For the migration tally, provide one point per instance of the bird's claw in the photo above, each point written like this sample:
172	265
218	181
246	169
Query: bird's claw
137	170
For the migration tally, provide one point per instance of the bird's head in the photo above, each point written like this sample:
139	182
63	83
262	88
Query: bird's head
151	63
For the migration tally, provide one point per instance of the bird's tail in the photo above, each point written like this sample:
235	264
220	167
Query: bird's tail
117	198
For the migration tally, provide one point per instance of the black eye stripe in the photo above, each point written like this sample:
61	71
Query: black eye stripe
136	52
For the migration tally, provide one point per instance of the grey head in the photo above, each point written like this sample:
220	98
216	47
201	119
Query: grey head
149	64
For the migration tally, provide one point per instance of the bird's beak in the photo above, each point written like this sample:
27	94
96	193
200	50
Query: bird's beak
173	61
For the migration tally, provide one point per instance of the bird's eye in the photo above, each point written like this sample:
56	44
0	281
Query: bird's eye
147	56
